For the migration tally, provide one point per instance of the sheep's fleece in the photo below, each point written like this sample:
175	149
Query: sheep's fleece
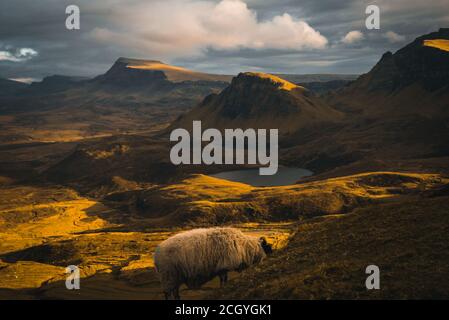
197	256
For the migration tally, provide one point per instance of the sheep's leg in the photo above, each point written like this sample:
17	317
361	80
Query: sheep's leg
223	278
176	294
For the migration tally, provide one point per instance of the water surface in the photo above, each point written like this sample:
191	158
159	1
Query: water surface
284	176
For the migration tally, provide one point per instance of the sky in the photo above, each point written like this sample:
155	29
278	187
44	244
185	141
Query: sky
216	36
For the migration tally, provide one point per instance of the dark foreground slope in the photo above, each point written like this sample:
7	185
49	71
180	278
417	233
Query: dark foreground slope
413	80
342	225
327	257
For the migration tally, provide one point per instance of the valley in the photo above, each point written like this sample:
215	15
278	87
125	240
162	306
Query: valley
86	179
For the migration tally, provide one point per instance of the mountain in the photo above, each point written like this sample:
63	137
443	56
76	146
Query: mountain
395	115
151	73
53	84
148	80
11	87
132	96
405	81
148	84
260	100
139	68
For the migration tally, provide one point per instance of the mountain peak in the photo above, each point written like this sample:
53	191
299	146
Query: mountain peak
386	55
267	78
406	78
260	100
130	62
170	72
423	62
133	61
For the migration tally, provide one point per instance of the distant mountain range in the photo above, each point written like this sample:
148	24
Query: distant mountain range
128	83
388	118
144	82
400	109
174	74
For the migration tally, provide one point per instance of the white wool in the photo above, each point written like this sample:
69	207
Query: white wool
196	256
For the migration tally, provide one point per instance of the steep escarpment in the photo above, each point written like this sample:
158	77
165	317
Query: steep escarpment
396	113
415	79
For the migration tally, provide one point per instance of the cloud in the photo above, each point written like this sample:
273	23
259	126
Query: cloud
24	80
352	37
21	54
163	29
393	37
192	28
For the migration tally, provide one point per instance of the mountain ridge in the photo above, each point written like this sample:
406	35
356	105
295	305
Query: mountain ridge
260	100
162	70
415	68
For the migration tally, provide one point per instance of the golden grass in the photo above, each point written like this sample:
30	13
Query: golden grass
283	84
158	66
120	264
203	187
28	274
64	219
178	74
112	151
442	44
205	200
98	254
326	258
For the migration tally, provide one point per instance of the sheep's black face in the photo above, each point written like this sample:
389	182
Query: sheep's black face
265	246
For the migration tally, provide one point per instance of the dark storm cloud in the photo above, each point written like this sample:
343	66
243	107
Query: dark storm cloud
150	29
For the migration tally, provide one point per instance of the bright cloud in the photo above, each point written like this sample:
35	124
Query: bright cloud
163	28
18	55
393	37
352	37
24	80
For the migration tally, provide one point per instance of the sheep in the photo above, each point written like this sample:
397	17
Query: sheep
197	256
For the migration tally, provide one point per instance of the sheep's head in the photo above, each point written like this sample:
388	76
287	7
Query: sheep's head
265	245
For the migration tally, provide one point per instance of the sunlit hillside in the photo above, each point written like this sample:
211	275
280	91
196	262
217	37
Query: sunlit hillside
174	73
281	83
442	44
86	176
113	246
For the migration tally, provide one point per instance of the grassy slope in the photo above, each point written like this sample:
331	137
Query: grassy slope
202	200
46	229
441	44
327	257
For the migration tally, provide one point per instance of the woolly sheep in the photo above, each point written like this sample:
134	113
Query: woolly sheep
194	257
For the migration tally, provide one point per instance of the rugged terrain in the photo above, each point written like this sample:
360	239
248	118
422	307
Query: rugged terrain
260	100
85	179
42	234
327	256
130	97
